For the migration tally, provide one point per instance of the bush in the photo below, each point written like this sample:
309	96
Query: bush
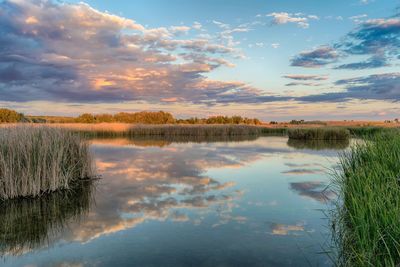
10	116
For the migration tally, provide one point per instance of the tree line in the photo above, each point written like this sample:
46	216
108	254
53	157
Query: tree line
143	117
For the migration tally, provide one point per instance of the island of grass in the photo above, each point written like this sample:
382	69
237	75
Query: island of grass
329	134
39	160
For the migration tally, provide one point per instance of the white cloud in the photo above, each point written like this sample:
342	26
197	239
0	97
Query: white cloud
275	45
300	19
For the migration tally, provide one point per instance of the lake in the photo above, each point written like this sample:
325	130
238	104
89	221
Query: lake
253	202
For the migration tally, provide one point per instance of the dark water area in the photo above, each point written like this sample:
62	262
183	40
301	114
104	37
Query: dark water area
257	202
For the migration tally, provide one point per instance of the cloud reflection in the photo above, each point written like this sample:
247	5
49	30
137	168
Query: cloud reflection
316	190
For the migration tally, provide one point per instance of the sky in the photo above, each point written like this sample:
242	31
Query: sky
270	59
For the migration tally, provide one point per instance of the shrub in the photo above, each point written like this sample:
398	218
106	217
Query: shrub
10	116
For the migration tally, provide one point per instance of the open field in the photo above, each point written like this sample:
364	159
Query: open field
37	160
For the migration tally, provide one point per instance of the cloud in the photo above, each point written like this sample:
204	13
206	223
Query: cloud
373	62
303	84
74	53
275	45
379	39
177	30
304	77
300	19
358	18
315	58
373	87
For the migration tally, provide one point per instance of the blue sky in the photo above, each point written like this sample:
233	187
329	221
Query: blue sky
269	59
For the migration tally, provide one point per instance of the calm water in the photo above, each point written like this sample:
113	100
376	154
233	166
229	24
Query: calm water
249	203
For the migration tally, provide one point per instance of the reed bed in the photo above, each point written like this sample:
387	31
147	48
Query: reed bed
194	130
366	222
370	131
319	134
319	144
38	160
104	130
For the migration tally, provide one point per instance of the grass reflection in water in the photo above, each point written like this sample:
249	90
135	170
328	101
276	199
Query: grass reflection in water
31	223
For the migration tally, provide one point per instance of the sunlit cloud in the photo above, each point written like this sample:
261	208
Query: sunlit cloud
302	20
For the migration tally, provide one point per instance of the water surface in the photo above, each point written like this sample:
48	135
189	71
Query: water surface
161	203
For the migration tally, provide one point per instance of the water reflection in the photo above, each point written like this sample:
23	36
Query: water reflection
316	190
30	224
162	203
162	141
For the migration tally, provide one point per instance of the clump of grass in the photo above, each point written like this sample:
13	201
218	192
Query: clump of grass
319	144
366	222
38	160
30	223
274	131
319	134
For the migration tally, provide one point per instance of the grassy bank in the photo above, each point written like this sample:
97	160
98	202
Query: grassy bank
169	130
105	130
37	160
366	222
319	134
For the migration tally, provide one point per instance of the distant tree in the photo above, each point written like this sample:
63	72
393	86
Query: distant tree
86	118
104	118
10	116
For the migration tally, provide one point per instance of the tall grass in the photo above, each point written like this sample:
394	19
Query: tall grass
104	130
370	131
37	160
319	144
319	134
366	222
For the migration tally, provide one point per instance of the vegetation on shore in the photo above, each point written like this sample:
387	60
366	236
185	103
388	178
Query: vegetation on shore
10	116
194	130
366	222
319	134
144	117
37	160
169	130
319	144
